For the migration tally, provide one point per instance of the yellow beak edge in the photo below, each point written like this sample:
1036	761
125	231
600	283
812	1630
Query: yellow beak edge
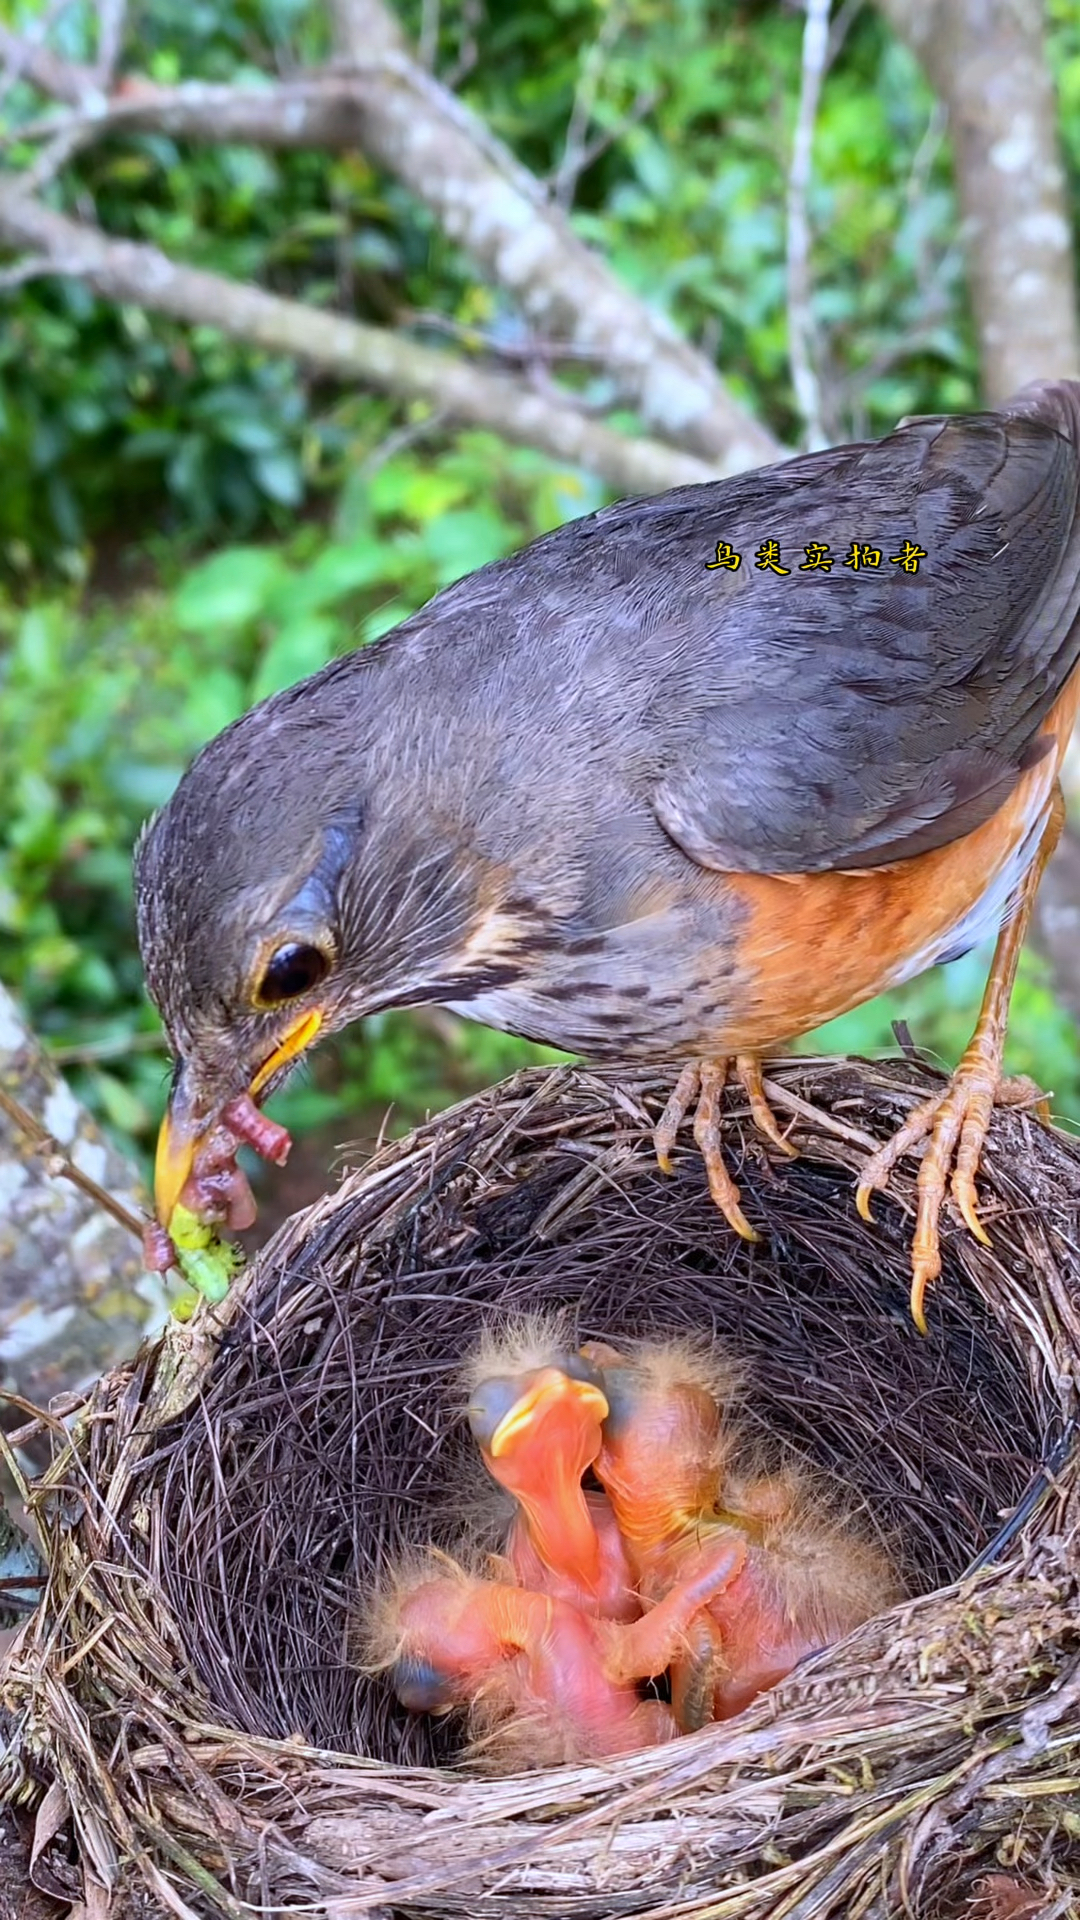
179	1141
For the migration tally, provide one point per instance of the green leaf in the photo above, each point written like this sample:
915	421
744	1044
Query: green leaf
230	590
121	1106
384	618
280	476
460	542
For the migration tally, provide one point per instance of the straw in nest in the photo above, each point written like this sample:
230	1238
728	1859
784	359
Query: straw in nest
187	1694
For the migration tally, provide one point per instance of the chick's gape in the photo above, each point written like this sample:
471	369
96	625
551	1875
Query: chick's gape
642	808
537	1418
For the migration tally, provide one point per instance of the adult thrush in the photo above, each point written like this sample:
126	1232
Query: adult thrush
620	794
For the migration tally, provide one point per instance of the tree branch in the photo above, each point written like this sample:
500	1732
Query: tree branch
126	270
112	19
496	210
800	313
986	60
483	198
27	59
568	172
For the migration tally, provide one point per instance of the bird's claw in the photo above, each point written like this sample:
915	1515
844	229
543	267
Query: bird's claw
701	1086
954	1125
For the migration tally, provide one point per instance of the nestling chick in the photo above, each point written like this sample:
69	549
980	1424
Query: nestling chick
544	1683
535	1412
668	1466
668	1437
808	1580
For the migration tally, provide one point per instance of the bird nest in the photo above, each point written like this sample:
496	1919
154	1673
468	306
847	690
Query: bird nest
185	1707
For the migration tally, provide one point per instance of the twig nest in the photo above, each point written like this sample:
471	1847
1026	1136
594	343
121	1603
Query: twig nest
188	1690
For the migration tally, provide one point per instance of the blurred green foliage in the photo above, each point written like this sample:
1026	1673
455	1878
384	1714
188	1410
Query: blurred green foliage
114	419
186	526
103	703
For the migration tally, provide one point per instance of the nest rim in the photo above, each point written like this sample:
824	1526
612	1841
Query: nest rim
533	1832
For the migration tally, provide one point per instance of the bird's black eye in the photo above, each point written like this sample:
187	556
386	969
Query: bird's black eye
294	969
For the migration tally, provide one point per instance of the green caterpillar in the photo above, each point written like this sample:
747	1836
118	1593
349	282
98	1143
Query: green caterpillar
207	1263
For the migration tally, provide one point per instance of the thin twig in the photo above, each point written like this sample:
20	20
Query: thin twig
411	434
525	351
842	24
83	1053
427	45
112	17
472	14
570	167
32	268
926	270
800	317
68	140
22	51
60	1167
640	107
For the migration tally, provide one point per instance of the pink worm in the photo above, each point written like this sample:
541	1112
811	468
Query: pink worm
217	1189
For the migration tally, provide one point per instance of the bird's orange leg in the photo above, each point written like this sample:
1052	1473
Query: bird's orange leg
957	1120
701	1085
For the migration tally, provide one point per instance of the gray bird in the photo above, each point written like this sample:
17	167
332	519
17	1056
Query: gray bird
680	780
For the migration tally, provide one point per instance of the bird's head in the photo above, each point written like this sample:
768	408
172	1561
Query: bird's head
524	1423
664	1439
539	1430
426	1626
300	877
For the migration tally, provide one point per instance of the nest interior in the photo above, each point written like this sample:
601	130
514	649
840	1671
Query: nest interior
321	1429
333	1434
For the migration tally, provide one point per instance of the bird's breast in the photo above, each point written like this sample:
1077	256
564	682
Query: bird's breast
716	963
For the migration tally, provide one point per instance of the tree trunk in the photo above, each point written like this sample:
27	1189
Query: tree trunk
74	1297
986	60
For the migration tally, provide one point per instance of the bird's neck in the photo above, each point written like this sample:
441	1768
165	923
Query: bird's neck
564	1535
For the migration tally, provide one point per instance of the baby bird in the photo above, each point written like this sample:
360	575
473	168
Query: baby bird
544	1683
536	1413
668	1465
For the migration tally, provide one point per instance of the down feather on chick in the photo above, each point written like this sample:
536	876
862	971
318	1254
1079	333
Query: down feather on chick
670	1465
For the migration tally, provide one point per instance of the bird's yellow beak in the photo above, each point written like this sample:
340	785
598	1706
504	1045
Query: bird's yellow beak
176	1144
552	1393
182	1133
295	1040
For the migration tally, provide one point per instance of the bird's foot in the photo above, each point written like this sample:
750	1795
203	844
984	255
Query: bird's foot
645	1648
954	1125
701	1086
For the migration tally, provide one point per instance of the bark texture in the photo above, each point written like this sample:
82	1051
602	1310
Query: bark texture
504	220
74	1298
986	60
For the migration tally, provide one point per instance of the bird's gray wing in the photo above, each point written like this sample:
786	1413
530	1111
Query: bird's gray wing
847	719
